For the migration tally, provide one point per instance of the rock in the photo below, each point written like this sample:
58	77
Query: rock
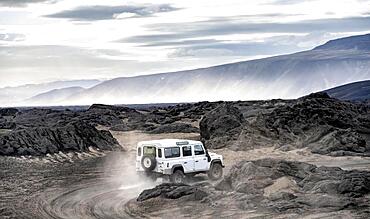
73	136
8	111
172	191
283	185
174	127
220	125
323	124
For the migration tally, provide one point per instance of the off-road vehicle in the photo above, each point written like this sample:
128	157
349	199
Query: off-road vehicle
177	159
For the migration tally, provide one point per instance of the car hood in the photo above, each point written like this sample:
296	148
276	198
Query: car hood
214	155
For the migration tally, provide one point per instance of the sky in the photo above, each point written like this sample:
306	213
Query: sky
50	40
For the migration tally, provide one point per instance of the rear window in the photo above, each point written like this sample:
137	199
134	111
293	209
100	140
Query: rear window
159	152
172	152
138	151
186	151
149	150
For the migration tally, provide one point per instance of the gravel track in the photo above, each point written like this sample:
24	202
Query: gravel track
93	188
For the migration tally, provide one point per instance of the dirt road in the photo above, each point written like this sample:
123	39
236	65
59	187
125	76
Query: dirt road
94	188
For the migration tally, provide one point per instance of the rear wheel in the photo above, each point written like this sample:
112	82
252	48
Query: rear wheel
215	171
178	177
148	163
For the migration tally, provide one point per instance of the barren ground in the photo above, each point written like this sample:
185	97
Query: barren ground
100	185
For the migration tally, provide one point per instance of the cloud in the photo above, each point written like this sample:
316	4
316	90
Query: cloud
218	28
12	37
288	2
91	13
32	64
21	3
235	27
197	39
240	49
180	42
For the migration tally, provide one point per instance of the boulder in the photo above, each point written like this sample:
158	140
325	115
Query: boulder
172	191
283	185
223	124
73	136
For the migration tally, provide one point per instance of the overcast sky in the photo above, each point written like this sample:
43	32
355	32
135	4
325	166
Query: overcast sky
48	40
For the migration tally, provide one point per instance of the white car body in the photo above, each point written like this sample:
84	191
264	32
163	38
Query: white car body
167	158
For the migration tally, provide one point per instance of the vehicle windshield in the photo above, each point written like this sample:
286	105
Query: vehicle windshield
149	150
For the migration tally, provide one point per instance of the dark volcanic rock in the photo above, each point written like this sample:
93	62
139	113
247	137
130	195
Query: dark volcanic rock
172	191
222	124
8	111
174	127
74	136
323	124
284	185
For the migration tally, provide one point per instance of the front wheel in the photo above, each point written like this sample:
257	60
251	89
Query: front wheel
215	172
178	177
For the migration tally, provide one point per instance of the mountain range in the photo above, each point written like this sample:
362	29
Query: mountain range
28	94
332	64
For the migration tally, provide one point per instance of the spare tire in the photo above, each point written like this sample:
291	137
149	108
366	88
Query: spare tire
148	163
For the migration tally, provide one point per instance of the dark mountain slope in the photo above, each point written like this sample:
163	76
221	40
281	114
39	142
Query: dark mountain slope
357	91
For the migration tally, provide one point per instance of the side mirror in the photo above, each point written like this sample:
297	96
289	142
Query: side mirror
208	157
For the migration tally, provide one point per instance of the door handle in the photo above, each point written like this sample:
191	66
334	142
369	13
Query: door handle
185	162
204	158
197	161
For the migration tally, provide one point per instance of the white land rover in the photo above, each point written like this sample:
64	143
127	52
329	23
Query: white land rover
177	159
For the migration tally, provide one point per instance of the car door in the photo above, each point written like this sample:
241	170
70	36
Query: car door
200	158
187	158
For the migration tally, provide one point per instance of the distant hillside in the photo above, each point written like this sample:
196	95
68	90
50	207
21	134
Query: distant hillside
357	91
288	76
53	97
361	42
15	95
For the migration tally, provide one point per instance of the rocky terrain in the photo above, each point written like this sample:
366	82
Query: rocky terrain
262	188
307	157
318	122
41	132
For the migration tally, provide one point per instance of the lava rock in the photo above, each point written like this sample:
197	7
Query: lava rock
74	136
174	127
282	185
172	191
322	124
221	124
8	111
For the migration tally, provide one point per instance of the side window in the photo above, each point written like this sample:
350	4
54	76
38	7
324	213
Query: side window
139	151
172	152
186	151
198	150
159	152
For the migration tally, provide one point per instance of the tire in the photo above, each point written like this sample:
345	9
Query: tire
215	172
178	177
148	163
